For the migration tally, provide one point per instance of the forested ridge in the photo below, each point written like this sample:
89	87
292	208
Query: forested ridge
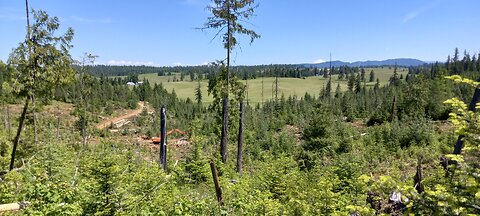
363	150
243	72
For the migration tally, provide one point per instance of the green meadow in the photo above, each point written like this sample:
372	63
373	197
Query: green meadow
262	89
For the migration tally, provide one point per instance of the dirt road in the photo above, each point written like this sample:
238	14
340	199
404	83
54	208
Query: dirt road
105	123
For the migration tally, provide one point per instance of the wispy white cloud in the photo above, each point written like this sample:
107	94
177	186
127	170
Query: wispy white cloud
123	62
89	20
411	15
419	11
177	64
318	61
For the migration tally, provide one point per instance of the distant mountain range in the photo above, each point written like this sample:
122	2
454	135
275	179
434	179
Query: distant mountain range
402	62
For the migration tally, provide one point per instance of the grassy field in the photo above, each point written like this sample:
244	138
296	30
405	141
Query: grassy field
287	86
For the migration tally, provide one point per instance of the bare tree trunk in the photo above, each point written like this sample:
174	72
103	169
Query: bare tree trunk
84	114
19	131
273	91
471	107
263	75
58	125
218	190
83	102
84	132
224	138
240	141
246	91
8	122
223	142
34	121
276	87
277	105
30	54
418	177
163	138
5	118
394	107
28	20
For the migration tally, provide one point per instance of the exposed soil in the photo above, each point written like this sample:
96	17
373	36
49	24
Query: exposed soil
359	124
106	122
442	126
296	131
179	147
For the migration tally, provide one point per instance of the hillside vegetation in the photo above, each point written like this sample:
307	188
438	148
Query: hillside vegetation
339	141
332	154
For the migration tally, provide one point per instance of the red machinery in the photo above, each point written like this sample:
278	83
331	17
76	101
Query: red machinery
157	140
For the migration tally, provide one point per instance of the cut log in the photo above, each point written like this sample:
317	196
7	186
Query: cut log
218	189
13	206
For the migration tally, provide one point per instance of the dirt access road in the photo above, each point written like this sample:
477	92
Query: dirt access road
105	123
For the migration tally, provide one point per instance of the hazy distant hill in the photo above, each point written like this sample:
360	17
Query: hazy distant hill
404	62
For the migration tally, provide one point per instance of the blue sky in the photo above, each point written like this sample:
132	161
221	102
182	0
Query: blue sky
162	32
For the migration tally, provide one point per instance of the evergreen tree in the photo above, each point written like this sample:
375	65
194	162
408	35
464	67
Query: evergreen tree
351	83
6	96
395	80
328	88
474	63
377	86
372	76
456	57
467	61
448	63
132	78
457	65
435	71
326	72
358	84
478	62
338	91
408	78
192	76
85	92
43	62
198	93
228	15
362	74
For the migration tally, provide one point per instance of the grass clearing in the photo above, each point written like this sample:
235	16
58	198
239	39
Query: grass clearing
287	86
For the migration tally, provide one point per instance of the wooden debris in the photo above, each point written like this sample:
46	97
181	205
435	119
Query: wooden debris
218	190
13	206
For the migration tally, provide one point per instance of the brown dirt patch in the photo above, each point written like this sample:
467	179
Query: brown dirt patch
106	122
359	124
